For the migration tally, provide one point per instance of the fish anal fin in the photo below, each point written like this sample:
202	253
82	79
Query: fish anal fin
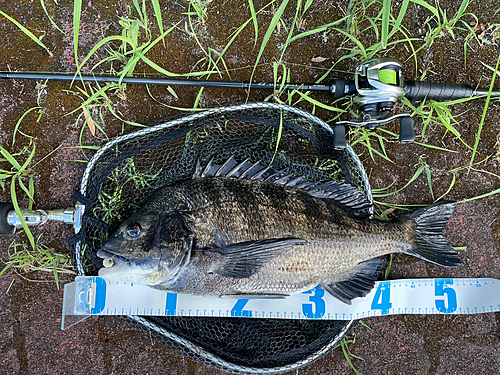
243	259
359	282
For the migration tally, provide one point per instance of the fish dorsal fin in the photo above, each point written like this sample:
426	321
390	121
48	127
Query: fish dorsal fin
358	283
345	195
243	259
231	168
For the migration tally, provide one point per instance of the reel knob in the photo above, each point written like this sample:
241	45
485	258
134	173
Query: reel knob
406	132
5	226
339	141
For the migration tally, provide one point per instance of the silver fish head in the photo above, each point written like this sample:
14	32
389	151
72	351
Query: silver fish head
148	248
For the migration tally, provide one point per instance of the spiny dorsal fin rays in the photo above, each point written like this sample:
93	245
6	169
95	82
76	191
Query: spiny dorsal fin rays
345	194
239	169
226	167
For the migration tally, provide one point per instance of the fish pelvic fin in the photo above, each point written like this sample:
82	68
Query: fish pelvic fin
359	282
243	259
429	242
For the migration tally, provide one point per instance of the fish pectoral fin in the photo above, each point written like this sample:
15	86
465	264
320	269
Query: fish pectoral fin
243	259
255	296
358	283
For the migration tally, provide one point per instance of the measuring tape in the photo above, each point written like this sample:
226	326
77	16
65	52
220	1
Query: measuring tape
89	296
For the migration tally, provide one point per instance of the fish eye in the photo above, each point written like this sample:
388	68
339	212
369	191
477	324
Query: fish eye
133	231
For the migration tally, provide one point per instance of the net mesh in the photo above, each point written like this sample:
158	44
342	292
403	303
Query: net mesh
124	173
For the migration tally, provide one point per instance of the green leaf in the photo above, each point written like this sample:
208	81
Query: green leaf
414	177
156	7
488	97
399	20
100	44
10	158
386	13
429	181
77	10
426	5
274	22
19	213
6	268
254	19
27	32
42	2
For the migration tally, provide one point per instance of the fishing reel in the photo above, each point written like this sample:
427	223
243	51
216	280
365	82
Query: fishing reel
379	85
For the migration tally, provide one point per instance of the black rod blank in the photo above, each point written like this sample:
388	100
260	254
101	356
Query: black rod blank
163	81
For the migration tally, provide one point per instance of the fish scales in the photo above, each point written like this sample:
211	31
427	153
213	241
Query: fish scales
234	237
268	211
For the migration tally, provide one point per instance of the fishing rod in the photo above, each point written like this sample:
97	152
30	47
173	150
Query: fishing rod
377	86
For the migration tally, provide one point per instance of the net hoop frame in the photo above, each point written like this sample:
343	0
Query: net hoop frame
196	349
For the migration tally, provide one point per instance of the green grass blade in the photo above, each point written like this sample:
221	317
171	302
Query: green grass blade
26	31
77	10
386	13
414	177
461	10
159	69
314	31
19	122
426	5
254	19
55	273
449	188
497	191
280	131
26	190
474	150
356	41
347	356
399	20
387	270
31	192
274	22
101	43
318	103
6	268
42	2
19	213
156	7
429	180
10	158
154	42
28	161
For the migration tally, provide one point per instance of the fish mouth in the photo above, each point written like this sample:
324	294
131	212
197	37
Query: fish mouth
111	261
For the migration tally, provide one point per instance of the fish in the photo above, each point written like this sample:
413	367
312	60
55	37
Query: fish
244	230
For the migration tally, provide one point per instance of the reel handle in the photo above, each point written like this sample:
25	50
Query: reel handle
417	90
406	132
5	226
339	141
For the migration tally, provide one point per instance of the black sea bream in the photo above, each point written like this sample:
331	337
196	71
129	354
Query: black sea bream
243	231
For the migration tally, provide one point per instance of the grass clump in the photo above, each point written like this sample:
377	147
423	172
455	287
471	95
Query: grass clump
22	258
20	177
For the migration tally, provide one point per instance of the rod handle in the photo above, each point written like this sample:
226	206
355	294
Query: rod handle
418	90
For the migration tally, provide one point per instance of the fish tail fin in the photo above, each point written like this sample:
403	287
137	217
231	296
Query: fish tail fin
429	242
